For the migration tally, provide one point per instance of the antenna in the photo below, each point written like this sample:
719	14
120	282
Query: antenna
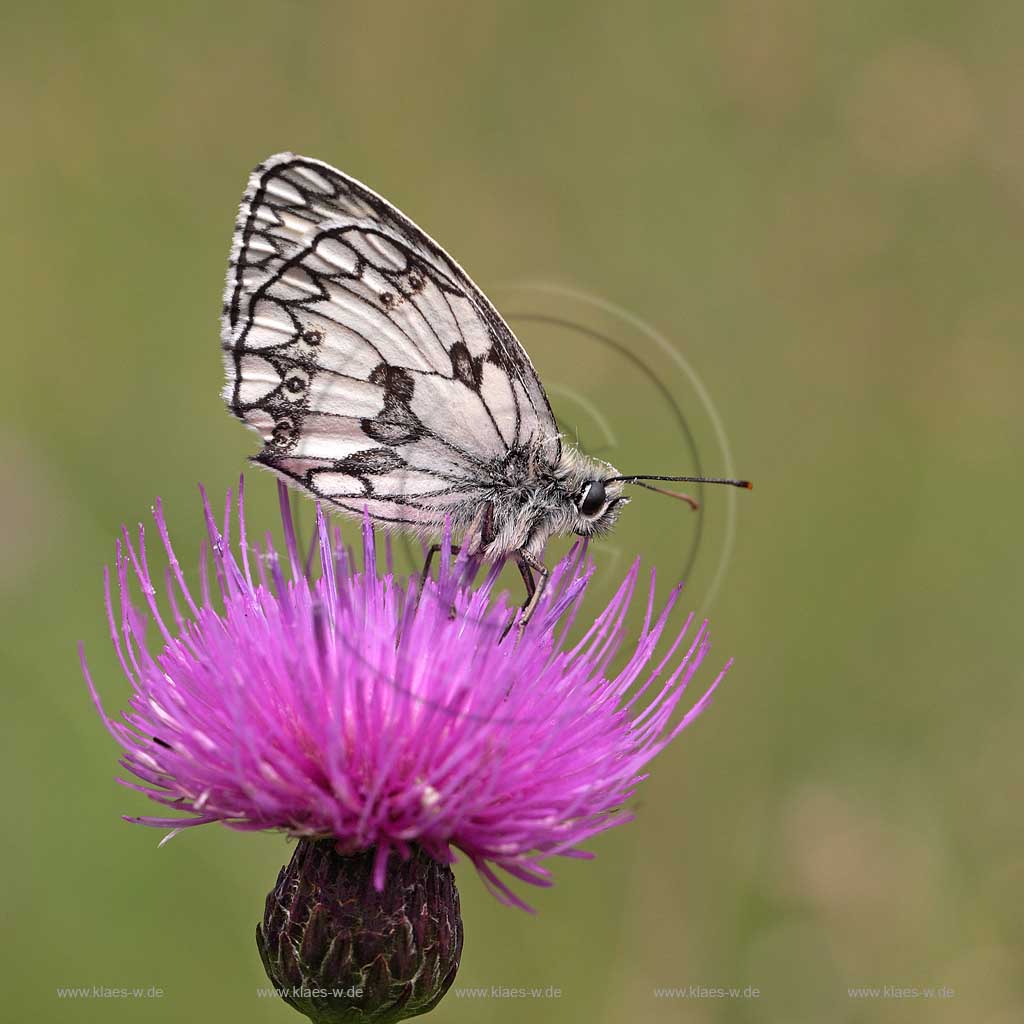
634	478
692	502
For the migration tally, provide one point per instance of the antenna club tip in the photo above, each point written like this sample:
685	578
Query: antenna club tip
747	485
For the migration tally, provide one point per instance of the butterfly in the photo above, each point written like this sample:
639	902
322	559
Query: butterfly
383	382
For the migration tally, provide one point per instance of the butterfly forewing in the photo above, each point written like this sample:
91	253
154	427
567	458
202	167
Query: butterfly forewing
377	373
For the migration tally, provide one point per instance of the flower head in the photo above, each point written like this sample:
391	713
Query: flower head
351	703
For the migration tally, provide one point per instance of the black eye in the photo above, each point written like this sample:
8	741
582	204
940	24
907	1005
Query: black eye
593	498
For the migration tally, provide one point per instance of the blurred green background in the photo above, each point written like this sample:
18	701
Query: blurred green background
822	206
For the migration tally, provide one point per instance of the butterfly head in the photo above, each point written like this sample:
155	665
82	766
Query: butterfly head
593	502
596	507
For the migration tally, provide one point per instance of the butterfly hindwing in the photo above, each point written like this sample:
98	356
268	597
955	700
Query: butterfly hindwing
377	373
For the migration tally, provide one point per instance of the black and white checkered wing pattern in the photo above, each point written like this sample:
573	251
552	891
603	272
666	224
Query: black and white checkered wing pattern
378	375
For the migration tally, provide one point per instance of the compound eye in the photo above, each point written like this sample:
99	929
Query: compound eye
593	498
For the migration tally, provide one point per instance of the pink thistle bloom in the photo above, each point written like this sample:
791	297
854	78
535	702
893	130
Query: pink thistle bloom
344	703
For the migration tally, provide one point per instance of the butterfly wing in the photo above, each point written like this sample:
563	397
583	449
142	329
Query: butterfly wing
378	375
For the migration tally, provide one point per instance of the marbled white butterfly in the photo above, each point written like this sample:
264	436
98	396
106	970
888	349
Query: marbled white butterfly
383	381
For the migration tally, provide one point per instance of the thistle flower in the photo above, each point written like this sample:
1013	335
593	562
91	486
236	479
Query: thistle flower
358	708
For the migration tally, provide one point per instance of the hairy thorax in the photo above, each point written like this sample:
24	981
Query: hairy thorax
530	498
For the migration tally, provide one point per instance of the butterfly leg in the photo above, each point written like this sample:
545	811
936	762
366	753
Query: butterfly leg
528	565
484	522
425	575
434	549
